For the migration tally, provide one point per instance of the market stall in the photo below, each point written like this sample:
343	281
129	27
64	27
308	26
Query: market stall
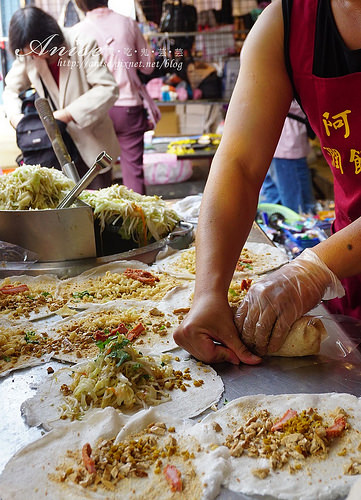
25	415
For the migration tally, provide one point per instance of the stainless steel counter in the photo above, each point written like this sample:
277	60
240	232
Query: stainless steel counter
336	369
181	237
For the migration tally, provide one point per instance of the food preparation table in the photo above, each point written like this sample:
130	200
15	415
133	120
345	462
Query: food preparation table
336	369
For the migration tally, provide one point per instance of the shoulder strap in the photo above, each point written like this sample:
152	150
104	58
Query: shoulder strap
47	95
297	118
311	134
287	12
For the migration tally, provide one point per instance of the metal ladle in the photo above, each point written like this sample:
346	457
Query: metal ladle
103	161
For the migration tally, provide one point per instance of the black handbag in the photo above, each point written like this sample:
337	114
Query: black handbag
179	17
32	138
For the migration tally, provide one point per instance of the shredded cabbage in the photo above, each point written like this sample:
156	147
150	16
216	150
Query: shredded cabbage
119	377
33	187
140	217
137	217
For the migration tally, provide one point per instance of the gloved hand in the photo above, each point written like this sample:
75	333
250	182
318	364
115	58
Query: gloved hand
274	303
208	332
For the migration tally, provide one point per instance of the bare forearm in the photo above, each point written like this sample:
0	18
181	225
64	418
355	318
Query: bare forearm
228	209
342	251
250	136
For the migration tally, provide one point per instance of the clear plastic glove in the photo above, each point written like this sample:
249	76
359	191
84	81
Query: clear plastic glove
209	333
275	302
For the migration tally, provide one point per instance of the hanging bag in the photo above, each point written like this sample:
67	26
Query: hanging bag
151	109
32	138
179	17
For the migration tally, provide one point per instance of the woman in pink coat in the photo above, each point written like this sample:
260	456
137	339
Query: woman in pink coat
125	52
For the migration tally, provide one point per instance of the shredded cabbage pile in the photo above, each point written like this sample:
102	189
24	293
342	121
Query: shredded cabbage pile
33	187
120	377
139	217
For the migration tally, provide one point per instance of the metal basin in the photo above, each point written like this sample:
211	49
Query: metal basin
54	235
181	237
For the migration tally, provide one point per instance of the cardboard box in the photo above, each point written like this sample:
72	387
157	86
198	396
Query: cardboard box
168	125
192	118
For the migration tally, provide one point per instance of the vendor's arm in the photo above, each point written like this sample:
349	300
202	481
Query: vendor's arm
255	117
275	302
342	251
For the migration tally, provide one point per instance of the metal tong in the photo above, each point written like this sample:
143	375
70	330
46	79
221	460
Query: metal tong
47	118
102	161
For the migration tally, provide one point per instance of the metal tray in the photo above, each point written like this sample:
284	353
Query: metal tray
179	238
338	371
54	235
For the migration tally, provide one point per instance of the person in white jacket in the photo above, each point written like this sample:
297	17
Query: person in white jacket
67	67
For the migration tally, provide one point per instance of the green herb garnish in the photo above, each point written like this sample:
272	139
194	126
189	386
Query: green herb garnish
81	295
102	343
121	356
30	338
116	352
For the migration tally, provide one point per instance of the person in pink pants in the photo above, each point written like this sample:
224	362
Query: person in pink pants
125	51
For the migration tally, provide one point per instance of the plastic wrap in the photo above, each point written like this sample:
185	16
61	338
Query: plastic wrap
15	253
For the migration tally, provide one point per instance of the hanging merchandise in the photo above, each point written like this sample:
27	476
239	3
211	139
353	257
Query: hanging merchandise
179	17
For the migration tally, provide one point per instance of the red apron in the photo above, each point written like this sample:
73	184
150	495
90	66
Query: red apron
333	107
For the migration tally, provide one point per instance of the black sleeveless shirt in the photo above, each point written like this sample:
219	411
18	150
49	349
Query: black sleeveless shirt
332	58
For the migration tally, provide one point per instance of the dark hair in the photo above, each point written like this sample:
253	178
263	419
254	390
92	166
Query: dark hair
32	23
86	5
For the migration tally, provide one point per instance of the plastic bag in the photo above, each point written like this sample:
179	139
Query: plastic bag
15	253
165	168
